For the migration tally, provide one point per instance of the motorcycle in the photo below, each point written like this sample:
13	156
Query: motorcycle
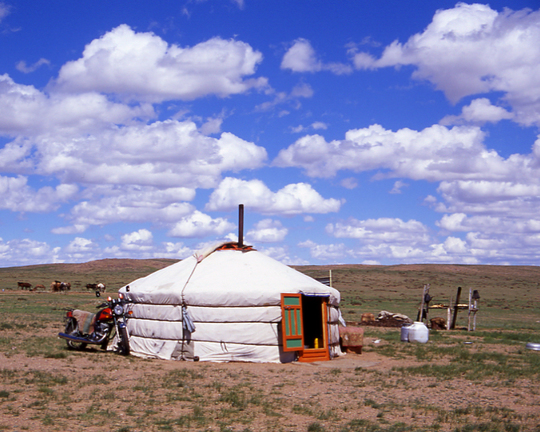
84	328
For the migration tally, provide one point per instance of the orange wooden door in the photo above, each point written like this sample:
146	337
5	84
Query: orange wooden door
291	312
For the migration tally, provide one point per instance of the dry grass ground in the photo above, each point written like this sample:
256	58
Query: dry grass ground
459	381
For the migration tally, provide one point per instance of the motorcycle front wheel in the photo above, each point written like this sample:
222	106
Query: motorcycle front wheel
123	341
72	329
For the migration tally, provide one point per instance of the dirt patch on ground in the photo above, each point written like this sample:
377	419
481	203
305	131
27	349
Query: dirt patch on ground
96	390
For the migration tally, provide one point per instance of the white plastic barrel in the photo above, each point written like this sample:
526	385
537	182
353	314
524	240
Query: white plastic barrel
418	332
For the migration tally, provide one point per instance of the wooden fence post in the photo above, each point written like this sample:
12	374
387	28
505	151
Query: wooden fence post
456	308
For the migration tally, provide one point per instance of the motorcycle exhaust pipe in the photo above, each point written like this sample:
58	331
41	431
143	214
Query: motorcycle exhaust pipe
82	339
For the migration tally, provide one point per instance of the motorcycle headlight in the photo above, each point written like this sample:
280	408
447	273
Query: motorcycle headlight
118	310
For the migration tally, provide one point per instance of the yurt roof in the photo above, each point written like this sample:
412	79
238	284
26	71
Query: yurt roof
226	276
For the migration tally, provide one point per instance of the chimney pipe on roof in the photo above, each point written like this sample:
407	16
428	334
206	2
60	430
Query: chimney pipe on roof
241	225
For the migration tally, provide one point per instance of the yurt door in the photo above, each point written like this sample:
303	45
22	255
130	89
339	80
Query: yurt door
292	327
305	330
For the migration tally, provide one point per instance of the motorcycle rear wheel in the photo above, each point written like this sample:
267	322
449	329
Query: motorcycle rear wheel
72	329
123	341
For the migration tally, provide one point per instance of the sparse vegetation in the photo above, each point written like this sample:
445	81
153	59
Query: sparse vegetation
459	381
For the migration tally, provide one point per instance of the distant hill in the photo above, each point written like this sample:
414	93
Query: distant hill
109	265
115	273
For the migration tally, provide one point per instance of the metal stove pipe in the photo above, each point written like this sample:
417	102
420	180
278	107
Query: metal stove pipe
241	225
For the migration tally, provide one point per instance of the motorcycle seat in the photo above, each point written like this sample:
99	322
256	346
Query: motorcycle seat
85	321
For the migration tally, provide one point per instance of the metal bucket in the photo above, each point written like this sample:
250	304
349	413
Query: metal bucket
405	332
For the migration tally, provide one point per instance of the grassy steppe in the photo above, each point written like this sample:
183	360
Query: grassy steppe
459	381
510	295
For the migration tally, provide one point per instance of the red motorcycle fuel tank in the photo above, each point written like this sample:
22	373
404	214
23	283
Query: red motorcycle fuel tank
104	315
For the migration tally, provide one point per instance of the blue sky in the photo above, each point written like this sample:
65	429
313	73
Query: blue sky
383	132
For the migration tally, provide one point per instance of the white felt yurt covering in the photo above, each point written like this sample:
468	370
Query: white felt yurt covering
231	297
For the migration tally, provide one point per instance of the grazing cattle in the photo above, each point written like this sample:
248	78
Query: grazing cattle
40	287
24	285
96	287
60	286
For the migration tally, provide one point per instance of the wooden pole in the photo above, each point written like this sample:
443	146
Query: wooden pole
449	314
474	316
330	276
427	299
420	316
456	308
475	297
470	310
424	304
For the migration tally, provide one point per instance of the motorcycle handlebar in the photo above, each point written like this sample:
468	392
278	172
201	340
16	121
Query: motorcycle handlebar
113	302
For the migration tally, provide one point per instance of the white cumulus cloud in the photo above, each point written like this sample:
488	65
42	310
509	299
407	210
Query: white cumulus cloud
327	252
142	66
19	252
491	197
17	195
473	49
382	230
108	205
199	224
301	57
161	154
292	199
24	68
435	153
267	231
479	111
26	111
80	245
138	240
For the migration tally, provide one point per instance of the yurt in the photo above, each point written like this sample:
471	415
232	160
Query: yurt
232	303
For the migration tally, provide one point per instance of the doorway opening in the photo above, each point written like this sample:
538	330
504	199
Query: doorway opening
313	322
